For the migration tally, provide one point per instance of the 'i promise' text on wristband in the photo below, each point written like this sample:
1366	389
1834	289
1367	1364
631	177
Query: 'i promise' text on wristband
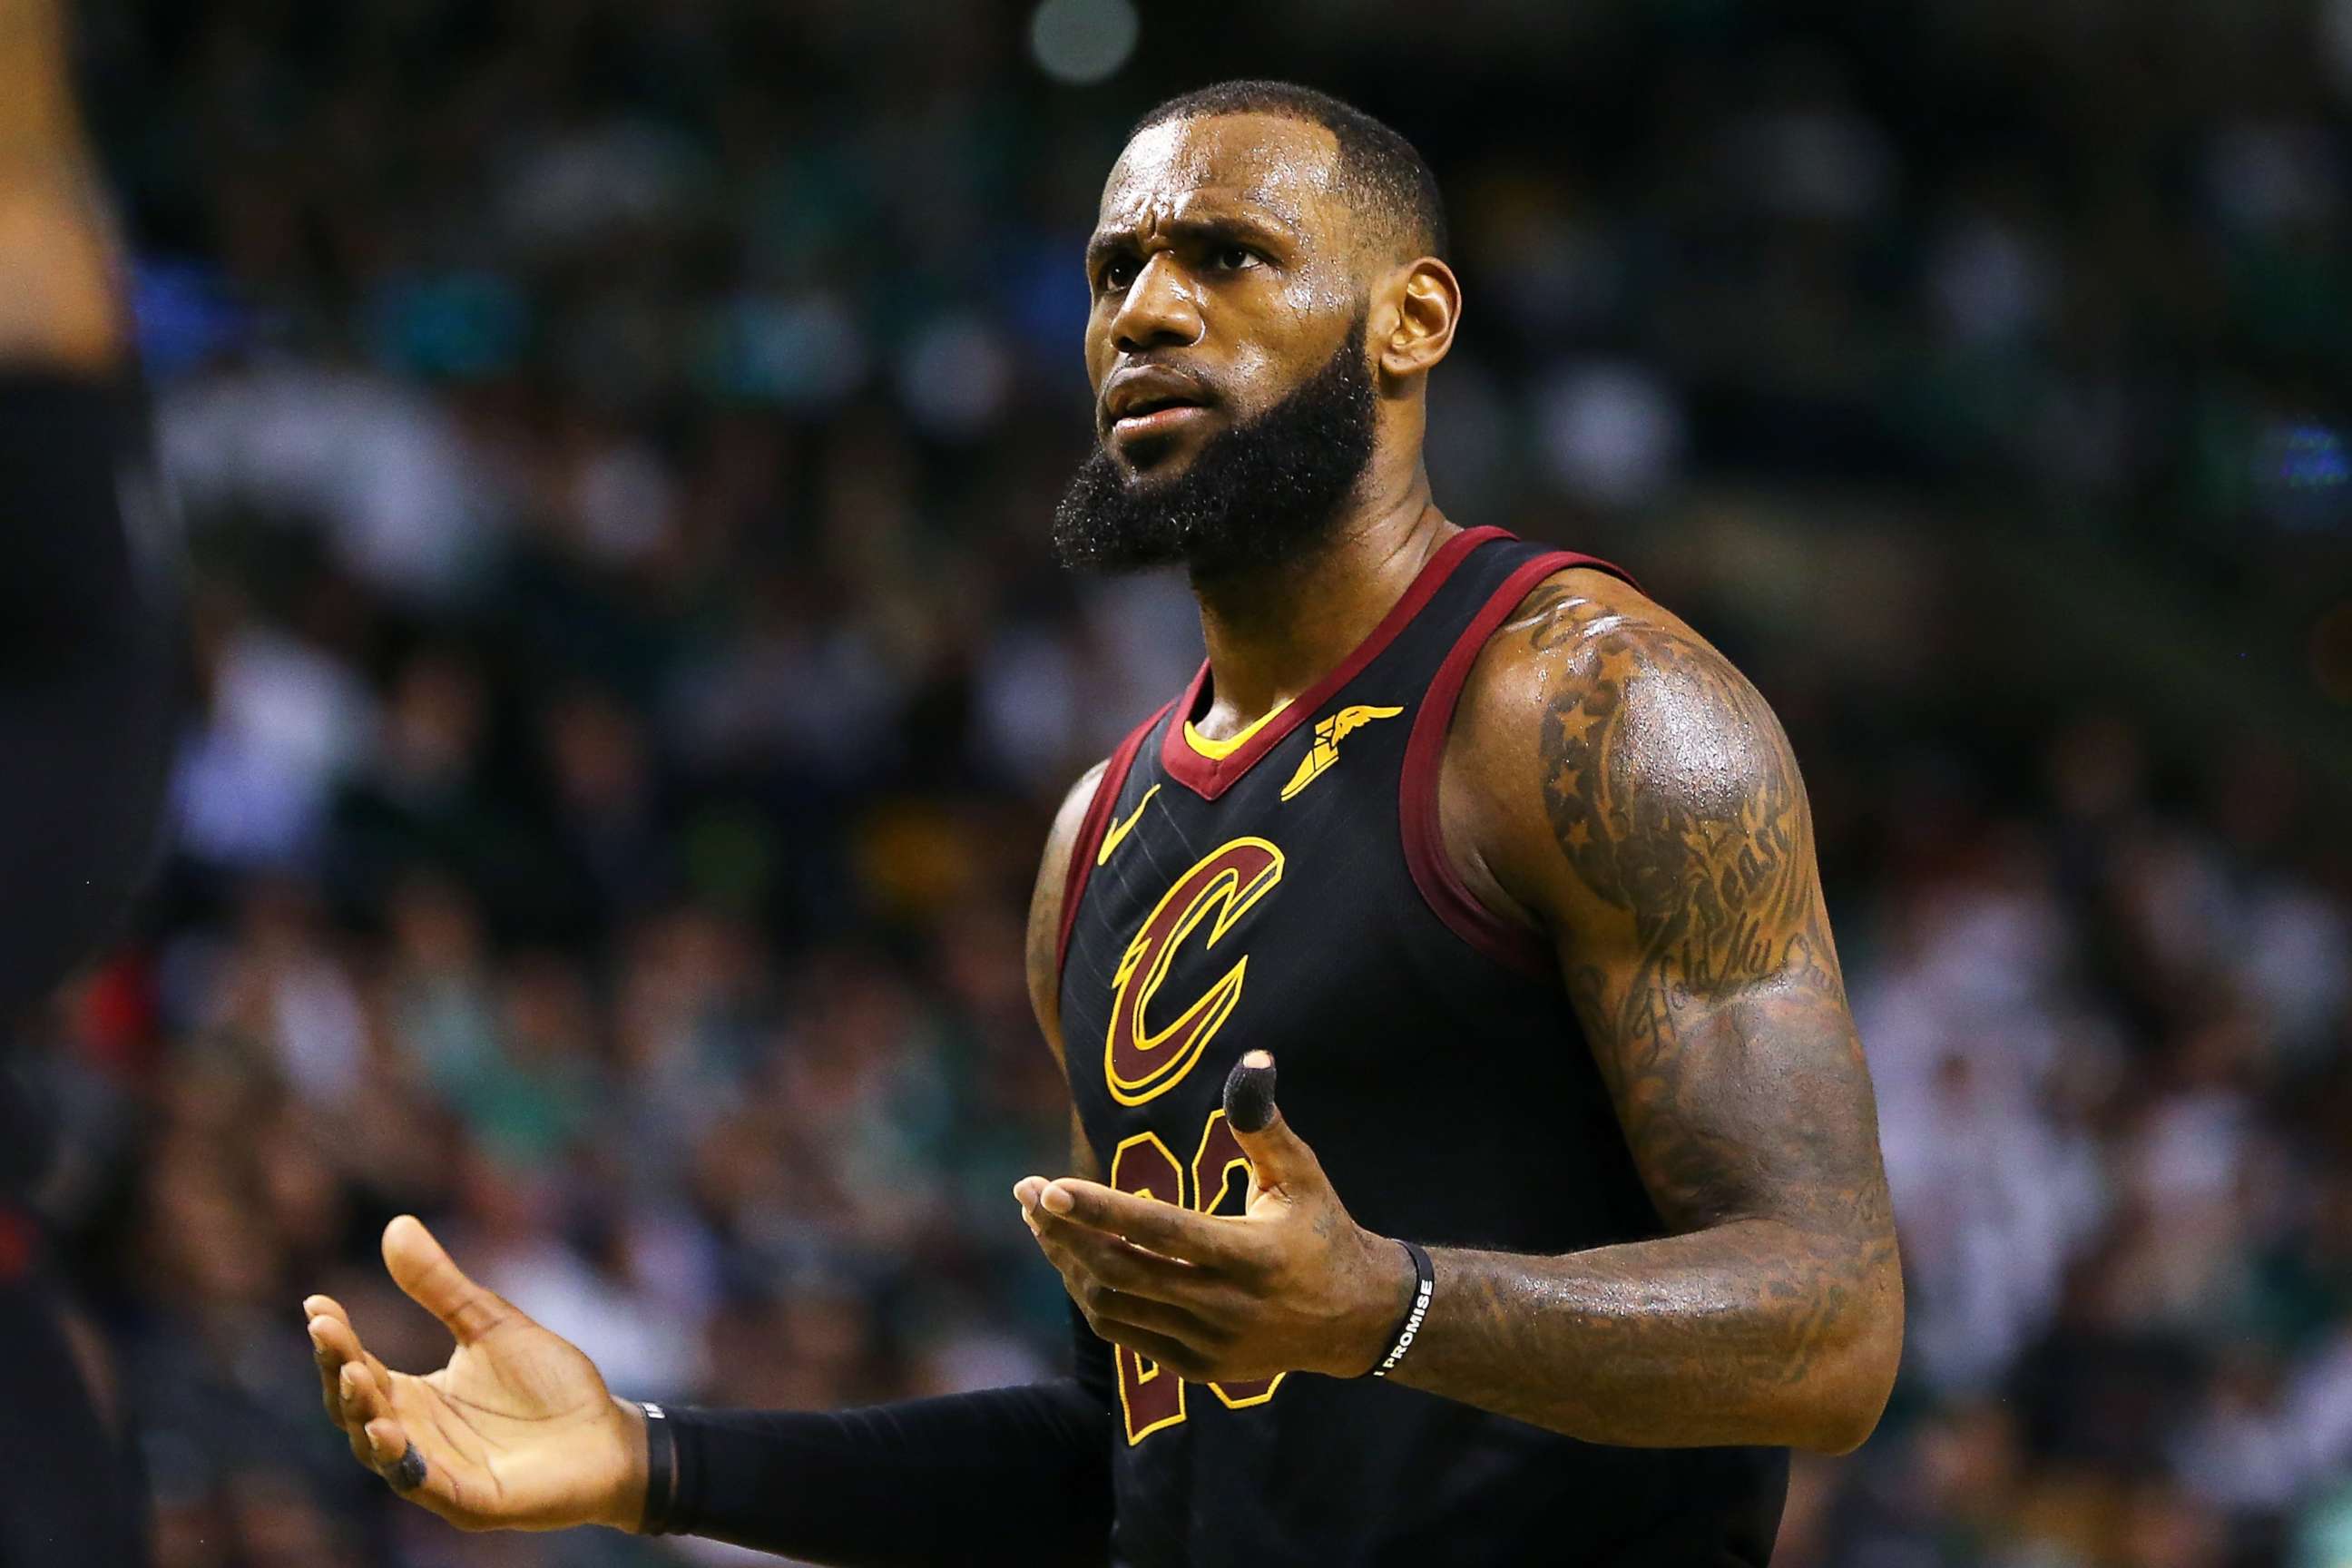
1423	1283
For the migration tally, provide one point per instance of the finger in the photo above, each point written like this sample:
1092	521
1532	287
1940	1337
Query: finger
1249	1092
333	1346
337	1340
381	1442
424	1271
1170	1321
357	1410
313	1308
1091	1282
1280	1161
394	1458
1063	1260
365	1399
381	1438
1163	1227
330	1365
1116	1263
431	1485
1171	1355
385	1449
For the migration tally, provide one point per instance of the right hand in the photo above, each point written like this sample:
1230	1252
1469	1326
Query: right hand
518	1431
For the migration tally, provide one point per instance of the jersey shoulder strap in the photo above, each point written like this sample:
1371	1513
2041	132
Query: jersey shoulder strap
1433	872
1092	826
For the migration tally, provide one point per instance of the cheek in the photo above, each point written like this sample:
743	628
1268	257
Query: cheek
1272	344
1314	293
1097	347
1257	377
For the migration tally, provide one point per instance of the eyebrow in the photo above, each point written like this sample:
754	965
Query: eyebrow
1224	228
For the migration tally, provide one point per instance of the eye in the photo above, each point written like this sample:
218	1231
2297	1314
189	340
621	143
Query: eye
1119	272
1232	259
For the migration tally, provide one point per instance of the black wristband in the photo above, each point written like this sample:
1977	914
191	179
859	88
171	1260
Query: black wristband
661	1469
1425	1282
1006	1477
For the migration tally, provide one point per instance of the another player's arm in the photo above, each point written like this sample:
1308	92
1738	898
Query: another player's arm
58	307
88	641
1624	784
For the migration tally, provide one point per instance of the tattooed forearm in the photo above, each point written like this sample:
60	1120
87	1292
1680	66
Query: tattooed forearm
1695	949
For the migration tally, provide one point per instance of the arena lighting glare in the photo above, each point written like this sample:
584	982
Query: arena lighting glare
1083	41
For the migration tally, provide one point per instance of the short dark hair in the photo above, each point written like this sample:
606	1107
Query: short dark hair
1383	173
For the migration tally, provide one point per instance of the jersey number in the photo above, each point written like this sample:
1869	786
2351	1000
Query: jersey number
1151	1397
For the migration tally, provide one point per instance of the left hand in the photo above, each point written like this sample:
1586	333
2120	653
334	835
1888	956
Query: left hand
1291	1284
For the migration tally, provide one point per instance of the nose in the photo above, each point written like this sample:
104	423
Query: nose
1159	311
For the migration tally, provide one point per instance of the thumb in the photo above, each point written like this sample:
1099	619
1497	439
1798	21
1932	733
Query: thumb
1279	1160
422	1270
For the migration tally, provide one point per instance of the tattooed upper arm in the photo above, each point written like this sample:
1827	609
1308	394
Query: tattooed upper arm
1613	781
1652	819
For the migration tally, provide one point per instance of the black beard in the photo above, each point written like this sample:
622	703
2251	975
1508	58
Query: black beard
1260	493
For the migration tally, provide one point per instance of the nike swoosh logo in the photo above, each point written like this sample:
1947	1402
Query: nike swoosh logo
1119	830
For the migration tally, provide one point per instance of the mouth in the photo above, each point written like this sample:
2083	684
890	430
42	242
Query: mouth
1149	402
1148	417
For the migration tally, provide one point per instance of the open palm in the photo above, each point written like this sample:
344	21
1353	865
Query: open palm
516	1432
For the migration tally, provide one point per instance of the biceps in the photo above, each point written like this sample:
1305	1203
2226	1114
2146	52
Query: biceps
1675	866
1751	1104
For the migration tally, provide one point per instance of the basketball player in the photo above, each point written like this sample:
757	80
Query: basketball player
87	690
1500	865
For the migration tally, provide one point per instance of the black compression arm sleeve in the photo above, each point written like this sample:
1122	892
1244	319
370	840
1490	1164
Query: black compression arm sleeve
89	671
1012	1476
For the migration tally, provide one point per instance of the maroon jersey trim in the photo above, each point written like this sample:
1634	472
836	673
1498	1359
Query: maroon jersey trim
1442	887
1090	832
1210	777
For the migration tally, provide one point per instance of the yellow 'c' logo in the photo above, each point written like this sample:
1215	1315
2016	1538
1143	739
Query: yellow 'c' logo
1140	1063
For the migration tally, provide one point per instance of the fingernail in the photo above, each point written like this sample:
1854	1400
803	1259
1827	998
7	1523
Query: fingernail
1057	1201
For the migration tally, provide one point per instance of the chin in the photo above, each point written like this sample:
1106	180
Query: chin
1151	462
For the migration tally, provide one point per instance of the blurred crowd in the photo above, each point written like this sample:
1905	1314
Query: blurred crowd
618	443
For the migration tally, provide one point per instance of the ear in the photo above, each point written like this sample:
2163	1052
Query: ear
1421	304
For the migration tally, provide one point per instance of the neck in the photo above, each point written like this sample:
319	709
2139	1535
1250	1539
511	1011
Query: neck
1273	633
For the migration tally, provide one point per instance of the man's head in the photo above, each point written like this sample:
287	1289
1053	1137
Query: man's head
1269	294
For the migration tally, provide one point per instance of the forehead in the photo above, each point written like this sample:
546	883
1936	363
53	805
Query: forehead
1259	164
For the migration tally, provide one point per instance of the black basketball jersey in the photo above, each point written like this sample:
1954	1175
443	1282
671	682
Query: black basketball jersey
1295	895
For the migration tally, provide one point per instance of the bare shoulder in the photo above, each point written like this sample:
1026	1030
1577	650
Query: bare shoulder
1044	934
1599	738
